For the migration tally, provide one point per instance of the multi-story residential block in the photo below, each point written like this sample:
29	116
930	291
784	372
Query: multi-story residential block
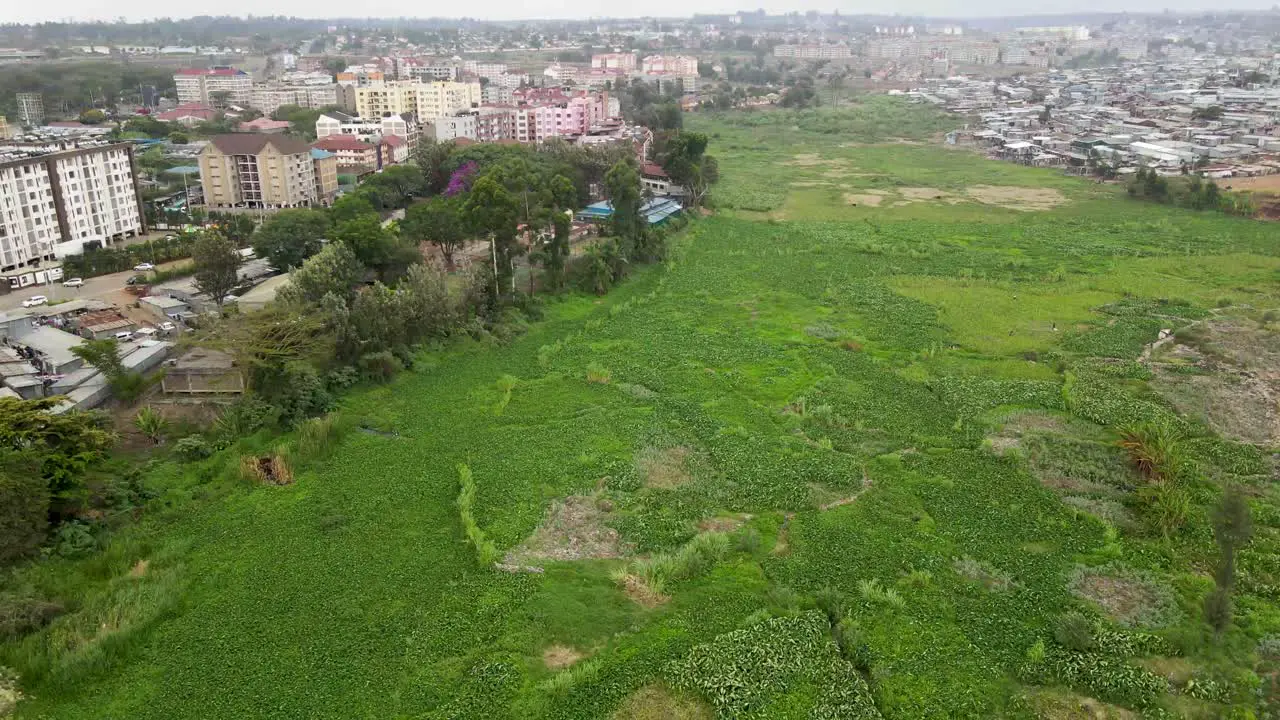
426	100
269	98
543	113
404	126
625	62
209	86
248	170
484	70
813	52
325	166
6	132
496	95
495	123
433	72
57	197
669	65
443	129
359	77
352	153
30	109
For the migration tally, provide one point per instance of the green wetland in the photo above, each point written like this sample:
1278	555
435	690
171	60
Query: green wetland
854	451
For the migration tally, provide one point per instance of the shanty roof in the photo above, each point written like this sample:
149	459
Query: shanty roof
254	143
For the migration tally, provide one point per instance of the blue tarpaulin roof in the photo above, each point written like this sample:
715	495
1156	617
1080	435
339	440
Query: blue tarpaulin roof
655	210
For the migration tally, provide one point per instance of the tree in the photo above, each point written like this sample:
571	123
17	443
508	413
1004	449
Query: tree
178	138
397	185
334	270
104	355
219	98
441	222
1232	530
375	247
62	446
24	506
350	207
216	261
686	162
93	117
622	184
289	237
492	210
433	159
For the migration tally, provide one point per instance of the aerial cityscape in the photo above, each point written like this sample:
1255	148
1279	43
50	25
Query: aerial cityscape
755	364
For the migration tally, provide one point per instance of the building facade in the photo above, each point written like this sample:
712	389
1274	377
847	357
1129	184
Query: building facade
426	100
267	172
325	166
625	62
404	126
269	98
669	65
351	152
813	52
30	109
58	197
206	86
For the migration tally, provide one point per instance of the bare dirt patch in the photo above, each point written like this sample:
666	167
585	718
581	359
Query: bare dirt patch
139	568
810	183
867	200
559	657
1017	198
782	546
806	160
1126	596
924	193
1264	183
1022	424
657	702
573	529
1234	383
664	468
723	523
10	695
1066	705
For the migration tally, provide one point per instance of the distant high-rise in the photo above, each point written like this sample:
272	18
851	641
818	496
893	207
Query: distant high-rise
30	109
150	96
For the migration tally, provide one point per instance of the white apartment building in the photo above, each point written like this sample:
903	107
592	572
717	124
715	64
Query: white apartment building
426	100
813	52
626	62
268	98
433	72
56	197
204	86
370	130
453	127
484	70
669	65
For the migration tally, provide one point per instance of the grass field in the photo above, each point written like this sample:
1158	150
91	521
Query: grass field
838	459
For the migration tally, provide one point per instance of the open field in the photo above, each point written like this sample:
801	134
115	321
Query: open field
839	459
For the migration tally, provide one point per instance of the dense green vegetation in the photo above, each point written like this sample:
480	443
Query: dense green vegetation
909	457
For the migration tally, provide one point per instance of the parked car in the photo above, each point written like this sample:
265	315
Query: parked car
167	327
124	336
73	282
145	333
35	301
144	267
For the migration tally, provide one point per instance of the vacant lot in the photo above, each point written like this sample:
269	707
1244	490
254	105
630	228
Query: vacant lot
888	422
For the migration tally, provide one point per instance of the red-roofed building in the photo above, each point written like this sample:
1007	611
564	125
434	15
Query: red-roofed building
213	86
351	151
394	150
188	115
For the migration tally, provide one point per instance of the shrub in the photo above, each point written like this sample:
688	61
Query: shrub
832	602
24	612
151	423
1102	677
192	448
379	366
24	513
1217	608
876	594
1166	506
1156	450
1074	631
318	436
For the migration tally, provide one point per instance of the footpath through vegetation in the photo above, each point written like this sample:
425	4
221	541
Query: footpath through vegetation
898	432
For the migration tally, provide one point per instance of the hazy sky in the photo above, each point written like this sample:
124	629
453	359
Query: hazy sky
26	11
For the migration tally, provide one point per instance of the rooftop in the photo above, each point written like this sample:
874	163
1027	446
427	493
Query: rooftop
255	143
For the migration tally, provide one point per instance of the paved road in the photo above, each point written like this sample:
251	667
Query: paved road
98	287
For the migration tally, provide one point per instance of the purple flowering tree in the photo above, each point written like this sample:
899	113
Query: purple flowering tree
461	179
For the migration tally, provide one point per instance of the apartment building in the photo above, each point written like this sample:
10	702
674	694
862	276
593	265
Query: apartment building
426	100
30	108
325	166
625	62
496	95
57	197
269	98
359	77
669	65
428	73
247	170
404	126
353	153
495	123
814	52
453	127
206	86
483	69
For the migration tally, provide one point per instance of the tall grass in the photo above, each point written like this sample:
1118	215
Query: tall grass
1156	449
319	436
696	557
486	551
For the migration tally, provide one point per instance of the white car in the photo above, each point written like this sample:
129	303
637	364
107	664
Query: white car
167	327
35	301
73	282
143	267
125	336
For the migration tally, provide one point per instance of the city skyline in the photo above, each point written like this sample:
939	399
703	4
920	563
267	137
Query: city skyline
505	10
